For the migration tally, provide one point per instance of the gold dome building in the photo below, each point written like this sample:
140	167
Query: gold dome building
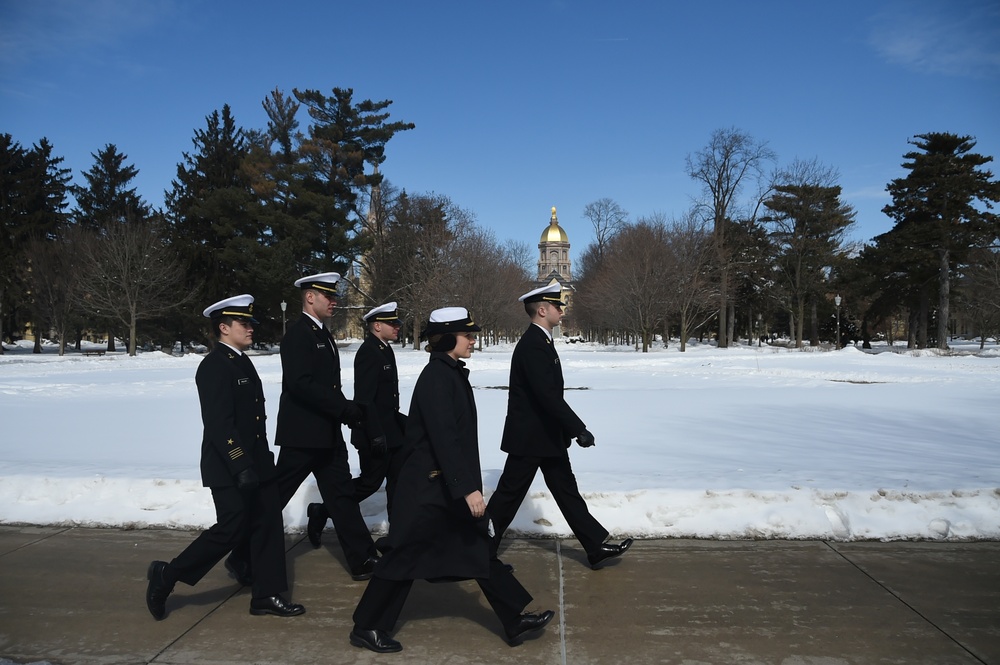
553	260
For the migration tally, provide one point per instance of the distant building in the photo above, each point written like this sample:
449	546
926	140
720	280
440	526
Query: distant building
554	263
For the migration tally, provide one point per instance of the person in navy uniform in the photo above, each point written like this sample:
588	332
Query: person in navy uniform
238	466
440	530
310	414
379	441
538	431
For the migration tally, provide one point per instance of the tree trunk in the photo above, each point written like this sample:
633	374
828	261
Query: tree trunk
723	341
731	323
800	314
813	323
944	298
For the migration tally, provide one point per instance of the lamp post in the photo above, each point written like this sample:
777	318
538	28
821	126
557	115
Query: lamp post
284	306
836	301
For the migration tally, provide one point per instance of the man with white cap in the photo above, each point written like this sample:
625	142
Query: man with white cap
310	414
538	431
376	390
238	466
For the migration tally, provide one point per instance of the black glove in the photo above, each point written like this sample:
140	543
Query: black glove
352	415
585	439
247	480
379	446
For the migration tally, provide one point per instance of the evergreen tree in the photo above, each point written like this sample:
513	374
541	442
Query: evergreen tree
107	198
213	216
33	190
942	207
809	222
343	138
13	175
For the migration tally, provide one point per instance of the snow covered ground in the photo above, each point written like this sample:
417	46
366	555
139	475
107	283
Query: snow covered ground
747	442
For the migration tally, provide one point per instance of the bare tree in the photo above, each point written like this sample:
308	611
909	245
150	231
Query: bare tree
49	271
689	260
129	273
608	218
731	160
979	298
488	281
634	280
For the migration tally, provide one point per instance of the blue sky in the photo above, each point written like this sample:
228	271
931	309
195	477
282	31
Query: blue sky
518	106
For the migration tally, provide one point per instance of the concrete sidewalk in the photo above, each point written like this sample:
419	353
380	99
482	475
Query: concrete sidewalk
73	595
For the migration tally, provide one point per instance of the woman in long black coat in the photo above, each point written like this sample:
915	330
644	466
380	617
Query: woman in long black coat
440	530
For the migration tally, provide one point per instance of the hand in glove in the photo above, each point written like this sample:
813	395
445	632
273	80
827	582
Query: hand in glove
585	439
379	446
247	480
352	415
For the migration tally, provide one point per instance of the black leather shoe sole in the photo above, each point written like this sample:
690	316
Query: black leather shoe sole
156	590
284	609
377	645
528	624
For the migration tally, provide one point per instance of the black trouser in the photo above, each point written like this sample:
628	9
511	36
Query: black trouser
332	470
250	520
518	473
383	599
376	469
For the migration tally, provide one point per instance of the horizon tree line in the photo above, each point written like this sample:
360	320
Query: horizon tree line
250	210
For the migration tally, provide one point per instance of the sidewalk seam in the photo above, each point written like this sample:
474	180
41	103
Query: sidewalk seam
900	599
562	604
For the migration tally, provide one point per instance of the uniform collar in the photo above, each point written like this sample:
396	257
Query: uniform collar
547	333
228	346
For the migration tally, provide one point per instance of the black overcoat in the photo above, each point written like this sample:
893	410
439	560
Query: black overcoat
232	410
539	421
433	534
376	390
312	402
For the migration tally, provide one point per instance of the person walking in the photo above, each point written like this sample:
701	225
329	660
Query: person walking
440	530
538	431
238	466
311	410
376	391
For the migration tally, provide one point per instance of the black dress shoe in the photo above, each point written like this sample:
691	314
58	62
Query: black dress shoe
239	571
375	640
157	590
608	551
527	623
277	606
316	514
365	570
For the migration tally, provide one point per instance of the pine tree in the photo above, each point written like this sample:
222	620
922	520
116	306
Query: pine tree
942	207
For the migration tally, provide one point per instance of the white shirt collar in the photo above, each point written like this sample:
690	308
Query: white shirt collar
547	333
315	320
238	352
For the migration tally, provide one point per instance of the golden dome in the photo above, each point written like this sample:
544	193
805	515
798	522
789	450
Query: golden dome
553	232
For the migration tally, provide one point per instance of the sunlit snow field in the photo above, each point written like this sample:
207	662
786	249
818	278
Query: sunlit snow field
747	442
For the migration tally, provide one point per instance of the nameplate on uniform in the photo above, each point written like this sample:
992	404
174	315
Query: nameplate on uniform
243	381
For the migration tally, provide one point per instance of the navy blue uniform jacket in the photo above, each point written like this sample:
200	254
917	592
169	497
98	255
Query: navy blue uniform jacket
312	399
539	421
232	410
376	390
